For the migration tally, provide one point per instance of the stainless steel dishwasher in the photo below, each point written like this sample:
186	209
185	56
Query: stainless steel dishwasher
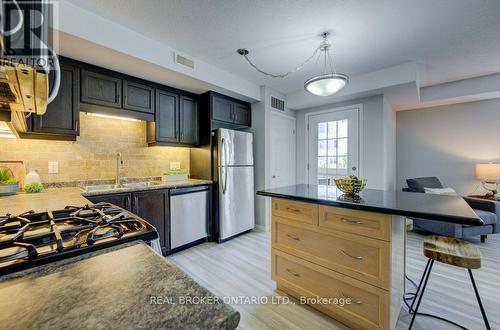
189	211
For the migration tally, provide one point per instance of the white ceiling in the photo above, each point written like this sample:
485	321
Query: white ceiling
449	39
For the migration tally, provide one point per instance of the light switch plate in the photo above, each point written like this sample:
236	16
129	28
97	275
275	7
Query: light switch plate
53	167
175	166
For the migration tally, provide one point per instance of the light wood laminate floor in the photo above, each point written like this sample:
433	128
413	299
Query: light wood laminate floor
241	268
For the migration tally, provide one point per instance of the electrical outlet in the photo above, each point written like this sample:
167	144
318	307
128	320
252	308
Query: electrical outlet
53	167
175	166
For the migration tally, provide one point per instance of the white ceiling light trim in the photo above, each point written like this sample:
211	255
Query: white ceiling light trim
325	84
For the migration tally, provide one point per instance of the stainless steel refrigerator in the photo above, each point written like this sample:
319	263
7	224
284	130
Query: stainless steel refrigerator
233	174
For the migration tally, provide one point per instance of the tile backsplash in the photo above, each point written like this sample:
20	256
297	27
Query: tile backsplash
93	155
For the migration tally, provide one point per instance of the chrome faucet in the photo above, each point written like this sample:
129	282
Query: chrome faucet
119	165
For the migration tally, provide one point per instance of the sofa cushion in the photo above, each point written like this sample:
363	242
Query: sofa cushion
488	218
418	184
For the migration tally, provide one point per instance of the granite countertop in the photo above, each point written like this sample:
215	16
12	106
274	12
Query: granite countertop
124	287
417	205
158	185
58	198
48	199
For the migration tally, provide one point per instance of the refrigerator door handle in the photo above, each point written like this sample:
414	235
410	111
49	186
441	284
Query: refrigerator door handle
223	165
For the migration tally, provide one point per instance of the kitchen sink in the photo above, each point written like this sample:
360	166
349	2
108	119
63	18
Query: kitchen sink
100	187
131	185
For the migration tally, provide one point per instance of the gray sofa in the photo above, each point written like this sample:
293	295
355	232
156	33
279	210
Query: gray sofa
487	210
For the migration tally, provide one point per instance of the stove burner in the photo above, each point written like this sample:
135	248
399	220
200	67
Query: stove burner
31	236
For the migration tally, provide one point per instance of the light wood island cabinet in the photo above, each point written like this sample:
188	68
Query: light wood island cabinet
352	259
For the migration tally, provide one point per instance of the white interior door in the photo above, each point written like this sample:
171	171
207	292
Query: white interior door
282	150
333	145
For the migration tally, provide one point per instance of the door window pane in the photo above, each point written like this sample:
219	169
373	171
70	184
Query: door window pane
342	162
322	131
332	129
342	128
332	162
342	146
322	148
332	147
321	162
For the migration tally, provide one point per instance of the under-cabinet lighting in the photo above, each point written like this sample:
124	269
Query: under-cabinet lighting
5	131
111	117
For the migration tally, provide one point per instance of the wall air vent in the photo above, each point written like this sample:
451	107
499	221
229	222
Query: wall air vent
277	104
184	61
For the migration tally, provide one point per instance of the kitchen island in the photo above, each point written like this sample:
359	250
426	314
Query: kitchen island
345	255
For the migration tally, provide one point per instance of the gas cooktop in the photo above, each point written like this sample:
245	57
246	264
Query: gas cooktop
32	239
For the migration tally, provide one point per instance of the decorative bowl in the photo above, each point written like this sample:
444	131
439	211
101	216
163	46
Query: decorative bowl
350	186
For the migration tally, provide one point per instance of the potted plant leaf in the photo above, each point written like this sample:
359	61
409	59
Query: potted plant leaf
8	184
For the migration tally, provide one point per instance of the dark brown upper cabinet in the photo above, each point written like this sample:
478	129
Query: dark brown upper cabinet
61	120
189	120
167	117
101	89
241	114
138	97
176	119
226	111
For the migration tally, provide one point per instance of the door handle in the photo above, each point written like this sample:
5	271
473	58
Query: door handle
354	301
351	222
293	273
223	165
351	256
354	168
295	238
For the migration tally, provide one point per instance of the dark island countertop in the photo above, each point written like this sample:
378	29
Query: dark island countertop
124	287
416	205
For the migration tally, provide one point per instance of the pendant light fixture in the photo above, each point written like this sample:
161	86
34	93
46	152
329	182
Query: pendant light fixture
327	83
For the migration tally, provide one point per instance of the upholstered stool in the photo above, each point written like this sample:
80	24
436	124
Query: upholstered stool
454	252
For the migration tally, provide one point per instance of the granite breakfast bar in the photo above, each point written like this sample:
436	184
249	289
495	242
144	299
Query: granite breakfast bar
350	250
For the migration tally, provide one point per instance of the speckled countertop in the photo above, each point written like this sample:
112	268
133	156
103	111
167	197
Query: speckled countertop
159	185
113	288
58	198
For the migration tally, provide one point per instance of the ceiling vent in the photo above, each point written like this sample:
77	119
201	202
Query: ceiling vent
277	104
184	61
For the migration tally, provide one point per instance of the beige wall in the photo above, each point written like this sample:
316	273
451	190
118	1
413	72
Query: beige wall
93	155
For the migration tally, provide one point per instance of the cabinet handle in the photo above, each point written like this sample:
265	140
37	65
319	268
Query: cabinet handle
295	238
293	273
77	123
125	99
350	256
351	222
293	210
354	301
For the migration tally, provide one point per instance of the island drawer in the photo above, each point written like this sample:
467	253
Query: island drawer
363	258
293	210
368	307
363	223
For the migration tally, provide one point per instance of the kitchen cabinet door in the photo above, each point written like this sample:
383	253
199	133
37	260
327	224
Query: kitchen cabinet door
167	116
189	121
100	89
241	114
138	97
62	115
121	200
153	207
222	109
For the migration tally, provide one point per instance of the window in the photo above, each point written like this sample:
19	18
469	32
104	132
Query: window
332	150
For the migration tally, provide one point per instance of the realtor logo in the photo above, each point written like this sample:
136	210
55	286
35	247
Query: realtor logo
29	32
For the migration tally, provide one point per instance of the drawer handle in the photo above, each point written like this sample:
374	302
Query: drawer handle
293	210
354	301
350	256
293	273
295	238
351	222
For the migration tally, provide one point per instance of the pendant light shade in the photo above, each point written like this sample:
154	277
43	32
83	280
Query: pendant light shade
326	84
